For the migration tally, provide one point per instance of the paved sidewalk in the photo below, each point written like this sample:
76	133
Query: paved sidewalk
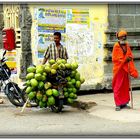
105	107
100	120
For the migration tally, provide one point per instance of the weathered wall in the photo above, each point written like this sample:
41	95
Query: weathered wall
91	66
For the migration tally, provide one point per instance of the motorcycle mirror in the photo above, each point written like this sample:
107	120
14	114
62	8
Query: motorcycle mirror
4	53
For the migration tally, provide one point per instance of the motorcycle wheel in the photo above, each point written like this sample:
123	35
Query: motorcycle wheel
58	108
14	94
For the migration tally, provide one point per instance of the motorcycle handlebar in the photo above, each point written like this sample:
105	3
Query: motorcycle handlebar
3	59
4	53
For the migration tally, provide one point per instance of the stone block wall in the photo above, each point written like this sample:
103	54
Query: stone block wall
125	16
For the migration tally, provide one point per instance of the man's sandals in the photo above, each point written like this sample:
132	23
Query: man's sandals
1	101
118	108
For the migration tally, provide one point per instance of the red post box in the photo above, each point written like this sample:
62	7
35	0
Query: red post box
9	39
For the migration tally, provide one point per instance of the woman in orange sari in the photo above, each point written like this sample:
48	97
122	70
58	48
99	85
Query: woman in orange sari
123	65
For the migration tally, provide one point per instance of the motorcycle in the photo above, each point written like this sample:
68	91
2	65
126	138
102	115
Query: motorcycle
11	89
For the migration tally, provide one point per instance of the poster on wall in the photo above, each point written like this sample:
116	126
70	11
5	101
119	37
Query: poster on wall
11	57
50	21
79	16
79	42
44	40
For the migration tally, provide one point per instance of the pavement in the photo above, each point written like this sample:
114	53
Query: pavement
99	120
105	107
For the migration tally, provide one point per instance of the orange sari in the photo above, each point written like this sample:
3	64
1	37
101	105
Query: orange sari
120	82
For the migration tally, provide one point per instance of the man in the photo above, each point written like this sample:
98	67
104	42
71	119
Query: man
123	65
55	50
